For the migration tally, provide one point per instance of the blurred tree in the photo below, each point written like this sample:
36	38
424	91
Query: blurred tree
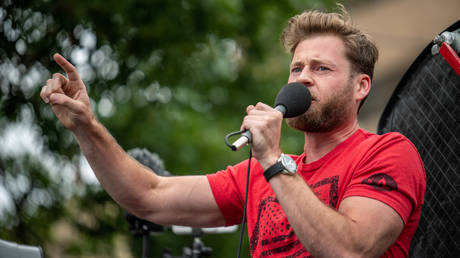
170	76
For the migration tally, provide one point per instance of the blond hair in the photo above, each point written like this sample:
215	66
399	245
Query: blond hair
360	50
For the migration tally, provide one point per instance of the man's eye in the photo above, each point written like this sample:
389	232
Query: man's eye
296	70
323	68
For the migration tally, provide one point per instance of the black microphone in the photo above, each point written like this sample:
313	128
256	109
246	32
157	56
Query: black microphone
292	100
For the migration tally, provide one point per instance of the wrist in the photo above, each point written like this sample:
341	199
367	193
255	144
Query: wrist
284	165
269	160
86	128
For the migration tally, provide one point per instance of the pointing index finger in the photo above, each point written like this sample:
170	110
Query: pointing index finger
71	71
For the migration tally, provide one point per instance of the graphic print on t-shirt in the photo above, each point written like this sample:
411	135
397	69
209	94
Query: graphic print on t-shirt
381	182
273	234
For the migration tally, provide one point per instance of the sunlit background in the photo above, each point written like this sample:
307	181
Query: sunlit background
170	76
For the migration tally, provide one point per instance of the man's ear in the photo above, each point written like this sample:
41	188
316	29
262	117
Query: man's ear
362	86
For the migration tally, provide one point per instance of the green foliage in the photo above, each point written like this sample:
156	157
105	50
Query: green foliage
170	76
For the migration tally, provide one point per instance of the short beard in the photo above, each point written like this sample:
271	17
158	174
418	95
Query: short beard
327	117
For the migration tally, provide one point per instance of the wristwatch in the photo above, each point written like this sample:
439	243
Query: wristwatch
285	165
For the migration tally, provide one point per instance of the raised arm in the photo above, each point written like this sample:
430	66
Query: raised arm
184	200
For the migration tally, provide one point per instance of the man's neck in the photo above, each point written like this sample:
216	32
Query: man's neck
319	144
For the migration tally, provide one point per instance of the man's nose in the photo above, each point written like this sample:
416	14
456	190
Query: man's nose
305	77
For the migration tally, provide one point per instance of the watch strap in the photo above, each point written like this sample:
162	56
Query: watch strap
273	170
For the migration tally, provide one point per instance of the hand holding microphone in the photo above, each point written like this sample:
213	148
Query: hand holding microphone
292	100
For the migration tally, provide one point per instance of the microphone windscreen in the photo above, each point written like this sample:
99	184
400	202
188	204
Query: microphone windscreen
295	97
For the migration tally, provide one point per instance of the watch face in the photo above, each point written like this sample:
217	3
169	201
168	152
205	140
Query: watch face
289	163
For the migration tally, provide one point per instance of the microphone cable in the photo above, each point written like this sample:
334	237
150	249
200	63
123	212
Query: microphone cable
243	222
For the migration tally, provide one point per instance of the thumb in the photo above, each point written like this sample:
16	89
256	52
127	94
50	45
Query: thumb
64	100
249	108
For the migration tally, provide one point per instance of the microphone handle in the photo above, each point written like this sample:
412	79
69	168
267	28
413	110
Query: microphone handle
246	136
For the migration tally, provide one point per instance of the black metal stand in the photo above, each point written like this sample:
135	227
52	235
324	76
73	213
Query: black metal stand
145	245
198	248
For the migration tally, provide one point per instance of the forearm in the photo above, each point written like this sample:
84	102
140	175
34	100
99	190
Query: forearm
163	200
323	231
120	175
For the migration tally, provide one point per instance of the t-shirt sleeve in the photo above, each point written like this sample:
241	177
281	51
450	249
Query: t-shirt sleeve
228	189
391	172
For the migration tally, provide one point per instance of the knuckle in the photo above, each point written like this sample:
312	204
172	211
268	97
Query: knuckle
279	115
265	125
81	108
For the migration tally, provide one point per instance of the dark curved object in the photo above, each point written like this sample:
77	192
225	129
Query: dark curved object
295	98
425	107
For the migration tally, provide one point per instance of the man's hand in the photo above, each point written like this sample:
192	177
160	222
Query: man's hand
67	96
264	123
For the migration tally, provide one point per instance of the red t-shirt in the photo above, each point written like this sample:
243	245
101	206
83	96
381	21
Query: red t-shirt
386	167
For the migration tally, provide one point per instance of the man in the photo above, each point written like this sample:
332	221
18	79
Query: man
354	193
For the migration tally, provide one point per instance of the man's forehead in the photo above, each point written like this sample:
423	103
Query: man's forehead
319	60
324	48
